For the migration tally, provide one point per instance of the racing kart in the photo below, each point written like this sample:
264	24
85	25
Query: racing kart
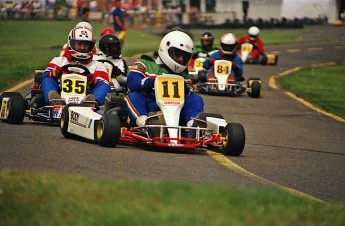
194	69
270	58
221	82
14	107
160	129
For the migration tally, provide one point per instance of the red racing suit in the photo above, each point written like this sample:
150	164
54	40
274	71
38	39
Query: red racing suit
258	46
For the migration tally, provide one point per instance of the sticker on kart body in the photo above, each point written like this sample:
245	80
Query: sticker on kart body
222	67
4	107
77	119
57	111
170	90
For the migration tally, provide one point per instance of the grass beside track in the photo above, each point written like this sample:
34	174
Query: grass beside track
51	199
29	45
322	86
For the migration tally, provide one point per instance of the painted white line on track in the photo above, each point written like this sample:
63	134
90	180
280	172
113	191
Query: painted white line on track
233	166
293	50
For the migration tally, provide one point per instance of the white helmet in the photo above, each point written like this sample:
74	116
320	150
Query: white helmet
228	43
253	32
81	42
175	50
84	24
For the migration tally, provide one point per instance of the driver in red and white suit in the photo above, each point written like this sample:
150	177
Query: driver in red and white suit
253	38
81	42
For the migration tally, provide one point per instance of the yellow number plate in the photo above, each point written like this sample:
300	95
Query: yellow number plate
170	89
74	86
222	68
246	47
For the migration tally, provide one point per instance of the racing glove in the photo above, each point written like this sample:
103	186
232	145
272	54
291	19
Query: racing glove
212	60
56	73
147	83
91	80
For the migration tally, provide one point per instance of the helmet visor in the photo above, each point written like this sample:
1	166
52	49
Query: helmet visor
180	56
114	49
228	47
82	46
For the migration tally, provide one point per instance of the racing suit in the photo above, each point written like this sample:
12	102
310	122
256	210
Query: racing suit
141	99
99	77
258	46
119	72
237	64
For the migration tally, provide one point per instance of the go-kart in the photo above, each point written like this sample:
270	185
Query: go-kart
218	80
14	107
194	68
161	129
246	48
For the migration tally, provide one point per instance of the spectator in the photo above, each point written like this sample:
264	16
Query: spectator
119	21
85	14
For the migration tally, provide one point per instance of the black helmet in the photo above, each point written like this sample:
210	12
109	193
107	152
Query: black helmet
207	36
109	44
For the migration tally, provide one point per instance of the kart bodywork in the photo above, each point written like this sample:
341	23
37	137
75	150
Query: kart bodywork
269	58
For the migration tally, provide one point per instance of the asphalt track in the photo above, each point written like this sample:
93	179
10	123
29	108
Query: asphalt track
289	145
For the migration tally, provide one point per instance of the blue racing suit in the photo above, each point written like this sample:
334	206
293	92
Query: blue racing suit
141	98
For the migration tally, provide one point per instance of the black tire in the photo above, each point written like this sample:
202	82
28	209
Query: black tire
256	89
276	61
234	139
17	107
263	60
202	76
108	130
64	123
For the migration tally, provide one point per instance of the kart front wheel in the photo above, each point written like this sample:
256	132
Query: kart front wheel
64	123
108	130
233	139
15	108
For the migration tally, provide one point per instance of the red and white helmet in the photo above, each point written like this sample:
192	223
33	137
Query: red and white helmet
84	24
175	50
81	36
228	43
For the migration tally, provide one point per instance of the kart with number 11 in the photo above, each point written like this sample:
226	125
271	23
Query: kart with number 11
161	129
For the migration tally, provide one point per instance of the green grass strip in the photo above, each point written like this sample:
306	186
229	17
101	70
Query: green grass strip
322	86
51	199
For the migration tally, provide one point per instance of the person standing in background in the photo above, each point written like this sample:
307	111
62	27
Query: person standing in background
119	23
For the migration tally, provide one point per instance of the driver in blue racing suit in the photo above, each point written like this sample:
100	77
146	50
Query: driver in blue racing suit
174	54
80	46
228	51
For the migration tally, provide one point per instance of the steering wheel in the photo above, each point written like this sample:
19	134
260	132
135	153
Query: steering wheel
76	68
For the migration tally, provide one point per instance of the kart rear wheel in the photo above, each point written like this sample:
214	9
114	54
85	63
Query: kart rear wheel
16	107
234	139
108	130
